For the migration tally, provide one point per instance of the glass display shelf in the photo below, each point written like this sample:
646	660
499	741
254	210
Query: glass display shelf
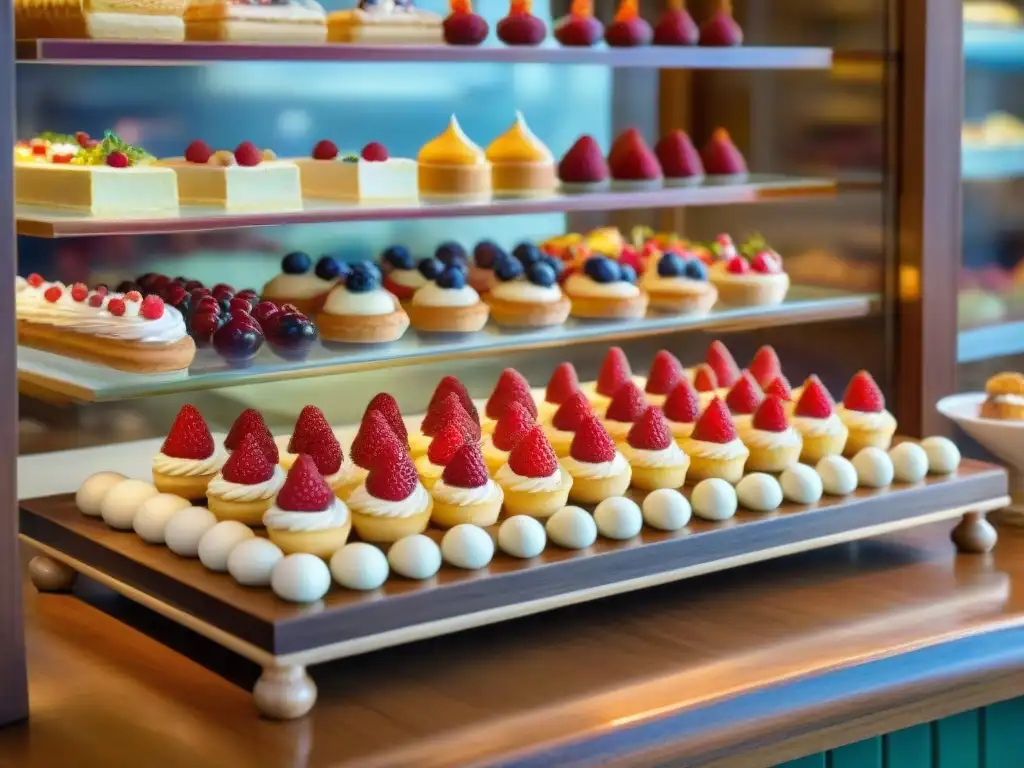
992	163
44	222
990	341
42	373
122	52
1001	47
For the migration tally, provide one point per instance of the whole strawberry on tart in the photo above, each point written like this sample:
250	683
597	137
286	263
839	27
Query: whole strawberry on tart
439	413
863	412
563	384
511	387
387	406
597	468
567	419
310	424
465	493
375	436
392	503
773	443
632	164
753	277
251	420
583	168
246	485
341	476
713	446
780	387
614	373
656	458
765	367
705	382
665	374
188	459
724	365
624	410
743	400
306	516
514	423
533	482
682	409
442	448
814	417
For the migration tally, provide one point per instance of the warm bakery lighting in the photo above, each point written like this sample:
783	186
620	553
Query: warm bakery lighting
582	8
628	10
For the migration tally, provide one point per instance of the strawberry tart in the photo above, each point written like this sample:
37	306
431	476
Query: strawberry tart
566	421
445	444
392	503
300	285
310	424
814	417
713	447
678	282
341	476
532	480
583	168
774	445
250	420
511	427
597	469
665	375
246	485
753	277
863	412
371	175
359	311
614	374
188	459
682	409
705	382
743	400
511	387
448	305
628	29
465	493
765	367
306	516
679	159
722	159
563	384
605	289
439	413
624	410
632	164
656	458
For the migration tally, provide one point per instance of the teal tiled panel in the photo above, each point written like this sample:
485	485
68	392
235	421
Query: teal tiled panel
909	748
811	761
1002	727
957	741
860	754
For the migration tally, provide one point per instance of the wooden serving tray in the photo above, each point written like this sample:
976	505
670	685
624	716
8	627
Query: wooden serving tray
284	638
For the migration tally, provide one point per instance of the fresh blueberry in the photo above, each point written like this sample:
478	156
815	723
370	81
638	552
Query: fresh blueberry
397	257
296	263
541	274
328	268
627	273
527	253
370	267
695	269
670	265
555	263
449	252
452	277
507	268
486	253
601	269
293	336
430	268
361	279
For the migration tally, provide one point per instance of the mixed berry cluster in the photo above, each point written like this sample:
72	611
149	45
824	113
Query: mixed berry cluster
132	303
753	256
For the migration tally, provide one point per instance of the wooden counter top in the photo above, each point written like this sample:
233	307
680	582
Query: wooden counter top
770	661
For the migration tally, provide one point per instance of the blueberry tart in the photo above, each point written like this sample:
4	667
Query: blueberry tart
302	284
486	254
360	311
604	288
448	304
677	281
402	275
527	296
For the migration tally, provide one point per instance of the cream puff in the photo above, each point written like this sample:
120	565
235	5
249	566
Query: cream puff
464	493
679	284
359	311
823	433
566	421
430	465
448	305
246	485
597	468
656	459
714	448
665	374
863	412
392	503
563	384
533	482
306	516
188	459
1004	397
682	409
774	445
526	297
625	408
302	286
605	289
511	427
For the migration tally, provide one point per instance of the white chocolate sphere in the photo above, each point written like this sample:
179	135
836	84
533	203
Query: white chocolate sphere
300	578
909	462
467	546
618	518
522	536
122	502
360	566
838	477
714	499
874	468
185	528
801	484
666	509
251	563
943	455
572	528
91	492
217	543
151	519
759	492
415	557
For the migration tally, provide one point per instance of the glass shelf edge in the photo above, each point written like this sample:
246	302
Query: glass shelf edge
990	341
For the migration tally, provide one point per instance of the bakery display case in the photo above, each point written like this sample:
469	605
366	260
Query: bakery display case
352	326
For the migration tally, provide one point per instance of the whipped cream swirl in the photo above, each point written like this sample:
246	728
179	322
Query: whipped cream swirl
812	427
734	449
175	467
595	471
643	457
463	497
515	482
415	503
335	516
879	420
225	489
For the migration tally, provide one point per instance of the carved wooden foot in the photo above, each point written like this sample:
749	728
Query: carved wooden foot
51	575
284	693
974	534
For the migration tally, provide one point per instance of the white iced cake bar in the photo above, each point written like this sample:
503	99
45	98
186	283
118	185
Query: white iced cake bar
385	22
371	175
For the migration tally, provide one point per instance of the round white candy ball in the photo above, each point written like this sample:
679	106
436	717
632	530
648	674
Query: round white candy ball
801	484
943	455
666	509
909	462
217	543
151	519
572	528
522	536
714	499
300	578
838	477
359	566
467	546
252	561
91	492
186	527
874	468
759	492
618	518
415	557
122	502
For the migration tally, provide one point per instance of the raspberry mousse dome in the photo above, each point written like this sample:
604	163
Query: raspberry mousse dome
462	26
721	29
632	163
680	160
676	26
521	27
628	29
583	168
521	165
579	29
721	157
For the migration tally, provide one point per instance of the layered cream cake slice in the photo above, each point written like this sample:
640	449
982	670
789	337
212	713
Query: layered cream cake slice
259	21
101	19
385	22
247	177
107	176
371	175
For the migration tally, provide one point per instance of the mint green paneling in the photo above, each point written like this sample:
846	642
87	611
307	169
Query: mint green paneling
1002	727
860	754
909	748
957	741
811	761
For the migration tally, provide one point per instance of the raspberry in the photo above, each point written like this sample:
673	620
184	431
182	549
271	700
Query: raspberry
682	405
79	292
53	293
452	384
101	289
445	444
862	394
571	413
118	160
723	364
765	366
763	262
705	380
374	437
715	424
562	385
771	415
591	443
374	152
745	395
116	307
666	372
533	456
466	469
779	386
189	437
393	478
614	373
198	152
514	423
96	300
325	150
737	265
650	432
511	388
387	407
627	405
35	280
815	401
325	450
152	308
248	154
304	489
133	296
248	464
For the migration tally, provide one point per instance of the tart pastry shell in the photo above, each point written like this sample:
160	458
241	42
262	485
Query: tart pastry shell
523	314
248	512
773	460
131	356
858	439
609	308
320	543
655	478
765	291
523	179
1001	410
684	302
454	182
191	487
484	513
594	490
386	530
362	329
817	447
157	20
449	319
542	504
702	468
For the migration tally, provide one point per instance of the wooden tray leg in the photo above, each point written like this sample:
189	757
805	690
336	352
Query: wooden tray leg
284	693
974	534
49	575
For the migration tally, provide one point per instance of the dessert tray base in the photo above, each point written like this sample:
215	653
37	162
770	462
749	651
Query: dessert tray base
285	638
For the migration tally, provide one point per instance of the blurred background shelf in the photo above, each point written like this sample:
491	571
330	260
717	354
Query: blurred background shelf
990	341
980	163
1001	47
54	377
